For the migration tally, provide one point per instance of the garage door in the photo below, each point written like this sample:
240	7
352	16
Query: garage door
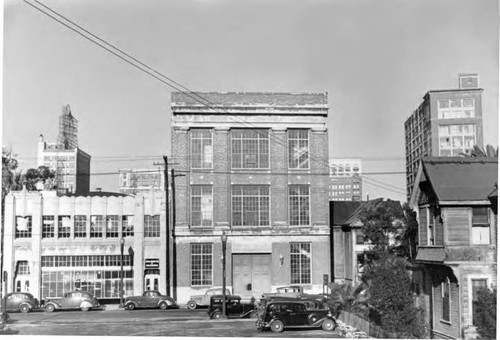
251	275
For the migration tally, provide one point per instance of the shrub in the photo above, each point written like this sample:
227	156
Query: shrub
485	313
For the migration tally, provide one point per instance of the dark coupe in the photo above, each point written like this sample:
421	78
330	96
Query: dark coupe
234	307
78	299
149	299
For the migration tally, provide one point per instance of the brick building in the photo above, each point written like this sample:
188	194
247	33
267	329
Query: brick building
255	166
447	123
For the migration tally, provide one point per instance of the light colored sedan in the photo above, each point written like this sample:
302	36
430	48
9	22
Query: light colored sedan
204	300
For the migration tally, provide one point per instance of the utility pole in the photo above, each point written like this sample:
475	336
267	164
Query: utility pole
174	245
167	217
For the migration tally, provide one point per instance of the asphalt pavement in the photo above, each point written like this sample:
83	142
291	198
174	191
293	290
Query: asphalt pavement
148	322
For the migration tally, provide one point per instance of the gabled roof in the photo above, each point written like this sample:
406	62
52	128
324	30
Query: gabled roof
340	211
461	178
237	99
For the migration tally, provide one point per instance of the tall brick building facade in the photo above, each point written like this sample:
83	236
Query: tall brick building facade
256	168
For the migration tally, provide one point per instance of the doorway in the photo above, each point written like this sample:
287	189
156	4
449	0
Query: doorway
251	275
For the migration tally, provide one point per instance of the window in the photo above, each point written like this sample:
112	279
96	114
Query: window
360	238
298	196
456	108
201	206
47	226
445	295
298	149
23	268
127	225
112	226
480	226
64	226
456	139
80	226
79	261
96	226
477	285
250	205
152	226
249	149
201	264
23	226
430	227
201	149
300	263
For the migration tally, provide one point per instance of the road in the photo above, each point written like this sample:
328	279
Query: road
175	322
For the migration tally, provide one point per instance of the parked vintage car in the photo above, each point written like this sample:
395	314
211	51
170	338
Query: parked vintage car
234	307
22	302
278	315
78	299
149	299
204	300
292	291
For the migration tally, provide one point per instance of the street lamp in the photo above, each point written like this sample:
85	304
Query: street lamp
224	240
122	243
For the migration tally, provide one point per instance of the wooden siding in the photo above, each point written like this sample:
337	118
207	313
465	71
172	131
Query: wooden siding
422	227
452	328
458	225
348	256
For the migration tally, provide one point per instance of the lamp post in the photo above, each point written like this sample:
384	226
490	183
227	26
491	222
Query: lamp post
224	240
122	243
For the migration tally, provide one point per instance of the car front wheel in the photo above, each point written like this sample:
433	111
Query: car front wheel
163	305
277	326
50	308
191	305
130	306
24	308
328	325
216	315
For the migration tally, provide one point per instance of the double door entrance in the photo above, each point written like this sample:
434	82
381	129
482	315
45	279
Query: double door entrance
251	275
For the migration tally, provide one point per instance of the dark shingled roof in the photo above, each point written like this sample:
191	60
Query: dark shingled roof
249	99
340	211
461	178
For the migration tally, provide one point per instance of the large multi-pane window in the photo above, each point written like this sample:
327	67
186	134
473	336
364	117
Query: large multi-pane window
201	149
23	268
127	225
112	226
64	226
48	227
298	199
249	149
445	298
298	149
250	205
96	226
201	206
201	264
80	226
300	263
152	226
23	226
480	226
456	139
456	108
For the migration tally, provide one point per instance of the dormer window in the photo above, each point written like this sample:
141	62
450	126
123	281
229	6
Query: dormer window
480	226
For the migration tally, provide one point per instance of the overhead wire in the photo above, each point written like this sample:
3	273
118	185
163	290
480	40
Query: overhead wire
179	87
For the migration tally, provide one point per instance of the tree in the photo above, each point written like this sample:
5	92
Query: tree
485	313
345	297
390	296
382	223
478	151
410	232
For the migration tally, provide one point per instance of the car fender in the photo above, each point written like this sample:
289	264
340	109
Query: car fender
169	303
55	304
272	319
86	304
321	319
130	302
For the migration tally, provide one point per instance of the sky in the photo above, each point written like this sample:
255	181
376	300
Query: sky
375	58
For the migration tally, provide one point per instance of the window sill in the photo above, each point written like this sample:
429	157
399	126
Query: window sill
445	322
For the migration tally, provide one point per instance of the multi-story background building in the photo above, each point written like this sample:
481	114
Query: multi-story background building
55	244
255	166
70	163
133	181
345	180
447	123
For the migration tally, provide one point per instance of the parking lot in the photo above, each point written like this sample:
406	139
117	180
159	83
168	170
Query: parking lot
150	322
